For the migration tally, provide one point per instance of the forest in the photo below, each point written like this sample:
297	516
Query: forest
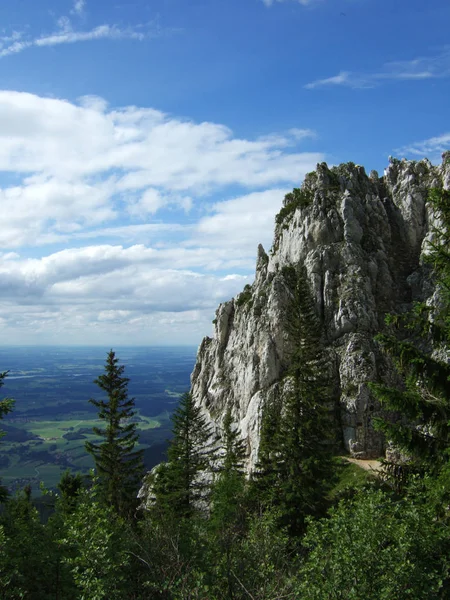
306	524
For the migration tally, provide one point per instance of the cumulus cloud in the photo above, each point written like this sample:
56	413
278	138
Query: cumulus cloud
130	217
240	223
426	67
79	163
81	293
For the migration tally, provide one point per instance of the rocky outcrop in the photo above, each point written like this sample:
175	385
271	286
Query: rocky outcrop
360	239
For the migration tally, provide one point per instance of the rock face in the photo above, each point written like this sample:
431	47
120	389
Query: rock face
360	239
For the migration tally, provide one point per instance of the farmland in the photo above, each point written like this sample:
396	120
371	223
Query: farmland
52	418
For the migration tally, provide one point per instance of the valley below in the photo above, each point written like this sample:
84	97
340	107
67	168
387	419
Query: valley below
53	419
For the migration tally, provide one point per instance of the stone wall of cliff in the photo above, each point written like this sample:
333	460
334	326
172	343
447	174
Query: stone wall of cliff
360	239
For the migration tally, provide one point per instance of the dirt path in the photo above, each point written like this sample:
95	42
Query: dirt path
367	465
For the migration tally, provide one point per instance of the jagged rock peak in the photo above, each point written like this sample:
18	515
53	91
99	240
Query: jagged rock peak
359	238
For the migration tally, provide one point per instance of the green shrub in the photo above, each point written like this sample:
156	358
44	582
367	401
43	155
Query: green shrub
298	198
245	296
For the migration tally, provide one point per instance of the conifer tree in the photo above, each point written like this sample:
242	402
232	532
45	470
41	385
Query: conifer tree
184	480
228	509
6	406
265	479
228	491
421	428
295	462
233	446
119	467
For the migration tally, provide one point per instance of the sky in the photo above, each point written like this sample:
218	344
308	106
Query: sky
146	146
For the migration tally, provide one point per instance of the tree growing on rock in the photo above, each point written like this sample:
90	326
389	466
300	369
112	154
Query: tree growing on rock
184	480
421	428
295	461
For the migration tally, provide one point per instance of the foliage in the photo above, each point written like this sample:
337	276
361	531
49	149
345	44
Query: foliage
295	459
30	565
70	487
266	566
422	403
95	548
228	509
350	479
182	483
298	198
119	466
171	551
233	447
6	406
377	548
245	296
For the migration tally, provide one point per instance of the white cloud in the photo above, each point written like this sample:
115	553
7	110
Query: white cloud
430	148
112	32
78	163
7	40
65	33
142	189
78	7
109	294
240	223
43	204
342	78
425	67
302	2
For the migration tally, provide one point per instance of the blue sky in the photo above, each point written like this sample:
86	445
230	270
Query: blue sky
146	146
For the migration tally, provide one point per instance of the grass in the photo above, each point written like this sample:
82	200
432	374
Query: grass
349	477
50	439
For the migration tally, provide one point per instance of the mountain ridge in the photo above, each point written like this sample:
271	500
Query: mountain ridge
360	239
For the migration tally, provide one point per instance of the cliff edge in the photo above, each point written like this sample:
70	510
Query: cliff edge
360	239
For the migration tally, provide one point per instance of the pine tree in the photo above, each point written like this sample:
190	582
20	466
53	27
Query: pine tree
228	493
420	424
228	510
6	406
265	479
119	467
295	462
233	446
181	483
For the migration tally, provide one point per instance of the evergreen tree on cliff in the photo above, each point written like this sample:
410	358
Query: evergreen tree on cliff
119	466
6	406
182	481
422	404
228	510
229	490
295	462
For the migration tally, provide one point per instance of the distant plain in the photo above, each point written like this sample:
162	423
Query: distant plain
52	418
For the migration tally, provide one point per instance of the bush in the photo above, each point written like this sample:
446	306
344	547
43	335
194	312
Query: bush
245	296
298	198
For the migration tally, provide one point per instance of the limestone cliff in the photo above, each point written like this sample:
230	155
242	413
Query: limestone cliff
360	239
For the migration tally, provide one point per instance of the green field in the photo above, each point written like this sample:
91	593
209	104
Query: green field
48	453
52	417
